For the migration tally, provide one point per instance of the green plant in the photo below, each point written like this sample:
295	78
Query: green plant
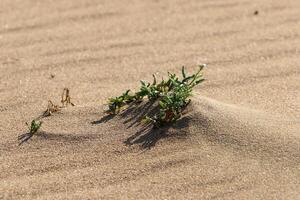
149	90
172	96
176	98
33	128
115	104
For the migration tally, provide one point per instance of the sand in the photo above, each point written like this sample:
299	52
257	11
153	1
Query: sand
240	138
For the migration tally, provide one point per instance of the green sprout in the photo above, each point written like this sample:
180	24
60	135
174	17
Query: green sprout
33	128
172	96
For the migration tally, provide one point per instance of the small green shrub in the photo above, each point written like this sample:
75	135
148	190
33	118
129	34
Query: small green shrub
172	96
34	126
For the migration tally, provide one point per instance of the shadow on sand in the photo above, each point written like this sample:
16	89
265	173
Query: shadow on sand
145	134
24	137
68	138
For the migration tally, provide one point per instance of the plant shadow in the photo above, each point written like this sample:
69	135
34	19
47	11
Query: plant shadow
69	138
146	135
65	138
135	113
24	138
104	119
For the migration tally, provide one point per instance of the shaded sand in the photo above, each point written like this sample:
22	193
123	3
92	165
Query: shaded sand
239	139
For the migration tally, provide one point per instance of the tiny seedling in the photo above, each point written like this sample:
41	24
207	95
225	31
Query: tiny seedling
33	128
172	96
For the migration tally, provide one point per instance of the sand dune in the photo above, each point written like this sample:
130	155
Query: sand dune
238	139
248	129
216	150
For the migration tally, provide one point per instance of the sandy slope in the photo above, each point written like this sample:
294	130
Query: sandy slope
240	140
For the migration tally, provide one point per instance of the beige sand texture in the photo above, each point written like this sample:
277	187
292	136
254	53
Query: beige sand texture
240	138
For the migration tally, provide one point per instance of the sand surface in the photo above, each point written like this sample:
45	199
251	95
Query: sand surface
239	140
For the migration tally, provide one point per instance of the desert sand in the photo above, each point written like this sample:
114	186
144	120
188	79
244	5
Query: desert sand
239	139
